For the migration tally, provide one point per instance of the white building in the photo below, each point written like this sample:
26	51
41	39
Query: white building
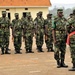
23	6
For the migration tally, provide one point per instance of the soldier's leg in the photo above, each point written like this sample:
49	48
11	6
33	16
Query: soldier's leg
41	42
7	44
62	55
27	44
73	59
30	44
19	44
15	44
57	55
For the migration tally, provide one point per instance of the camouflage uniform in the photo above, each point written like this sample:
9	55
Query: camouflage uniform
72	40
28	26
5	32
59	28
48	32
17	32
39	31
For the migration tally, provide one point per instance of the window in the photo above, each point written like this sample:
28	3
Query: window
26	8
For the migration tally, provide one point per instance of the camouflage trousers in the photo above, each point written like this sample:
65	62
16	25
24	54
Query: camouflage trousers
4	41
28	42
59	51
39	40
48	42
72	50
17	43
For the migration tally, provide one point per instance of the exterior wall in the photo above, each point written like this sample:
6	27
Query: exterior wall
33	11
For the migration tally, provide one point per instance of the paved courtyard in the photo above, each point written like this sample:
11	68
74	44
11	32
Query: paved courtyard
32	64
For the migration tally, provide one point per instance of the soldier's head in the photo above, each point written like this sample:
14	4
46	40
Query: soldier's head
40	13
60	12
17	15
71	15
74	12
49	16
3	13
28	15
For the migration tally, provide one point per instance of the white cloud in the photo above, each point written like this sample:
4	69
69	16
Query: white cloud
63	1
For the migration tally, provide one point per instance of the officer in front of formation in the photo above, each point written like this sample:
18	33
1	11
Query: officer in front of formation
59	37
17	33
39	31
48	32
4	33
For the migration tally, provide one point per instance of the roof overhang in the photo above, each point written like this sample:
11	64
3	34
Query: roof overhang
24	6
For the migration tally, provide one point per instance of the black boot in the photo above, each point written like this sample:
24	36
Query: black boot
73	68
2	51
63	64
58	64
41	49
48	49
27	51
6	52
52	49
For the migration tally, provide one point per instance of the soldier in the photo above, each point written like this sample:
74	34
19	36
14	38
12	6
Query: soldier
28	26
17	33
71	40
69	24
39	31
5	24
48	32
59	37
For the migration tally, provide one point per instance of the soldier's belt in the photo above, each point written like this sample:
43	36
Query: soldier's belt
60	31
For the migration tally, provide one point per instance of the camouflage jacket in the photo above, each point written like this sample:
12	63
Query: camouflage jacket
39	25
28	26
4	25
17	27
48	26
60	27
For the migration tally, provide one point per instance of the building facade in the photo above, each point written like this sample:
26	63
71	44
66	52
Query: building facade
23	6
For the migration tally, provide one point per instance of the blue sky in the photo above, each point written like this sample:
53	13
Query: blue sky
63	1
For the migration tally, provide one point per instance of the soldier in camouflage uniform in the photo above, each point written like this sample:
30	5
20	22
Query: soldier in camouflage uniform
39	31
71	40
17	33
5	32
28	34
48	32
59	36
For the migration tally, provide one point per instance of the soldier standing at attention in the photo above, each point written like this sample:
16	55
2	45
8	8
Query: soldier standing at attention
28	34
4	26
71	40
48	32
39	31
59	37
17	33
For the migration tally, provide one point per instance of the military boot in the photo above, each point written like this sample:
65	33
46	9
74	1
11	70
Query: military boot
41	49
2	51
58	64
52	49
48	50
27	51
73	68
6	52
30	51
63	64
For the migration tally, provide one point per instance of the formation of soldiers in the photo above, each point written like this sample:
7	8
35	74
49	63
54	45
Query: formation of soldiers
56	29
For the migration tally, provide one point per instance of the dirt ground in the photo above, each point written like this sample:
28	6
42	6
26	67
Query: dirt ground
32	64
